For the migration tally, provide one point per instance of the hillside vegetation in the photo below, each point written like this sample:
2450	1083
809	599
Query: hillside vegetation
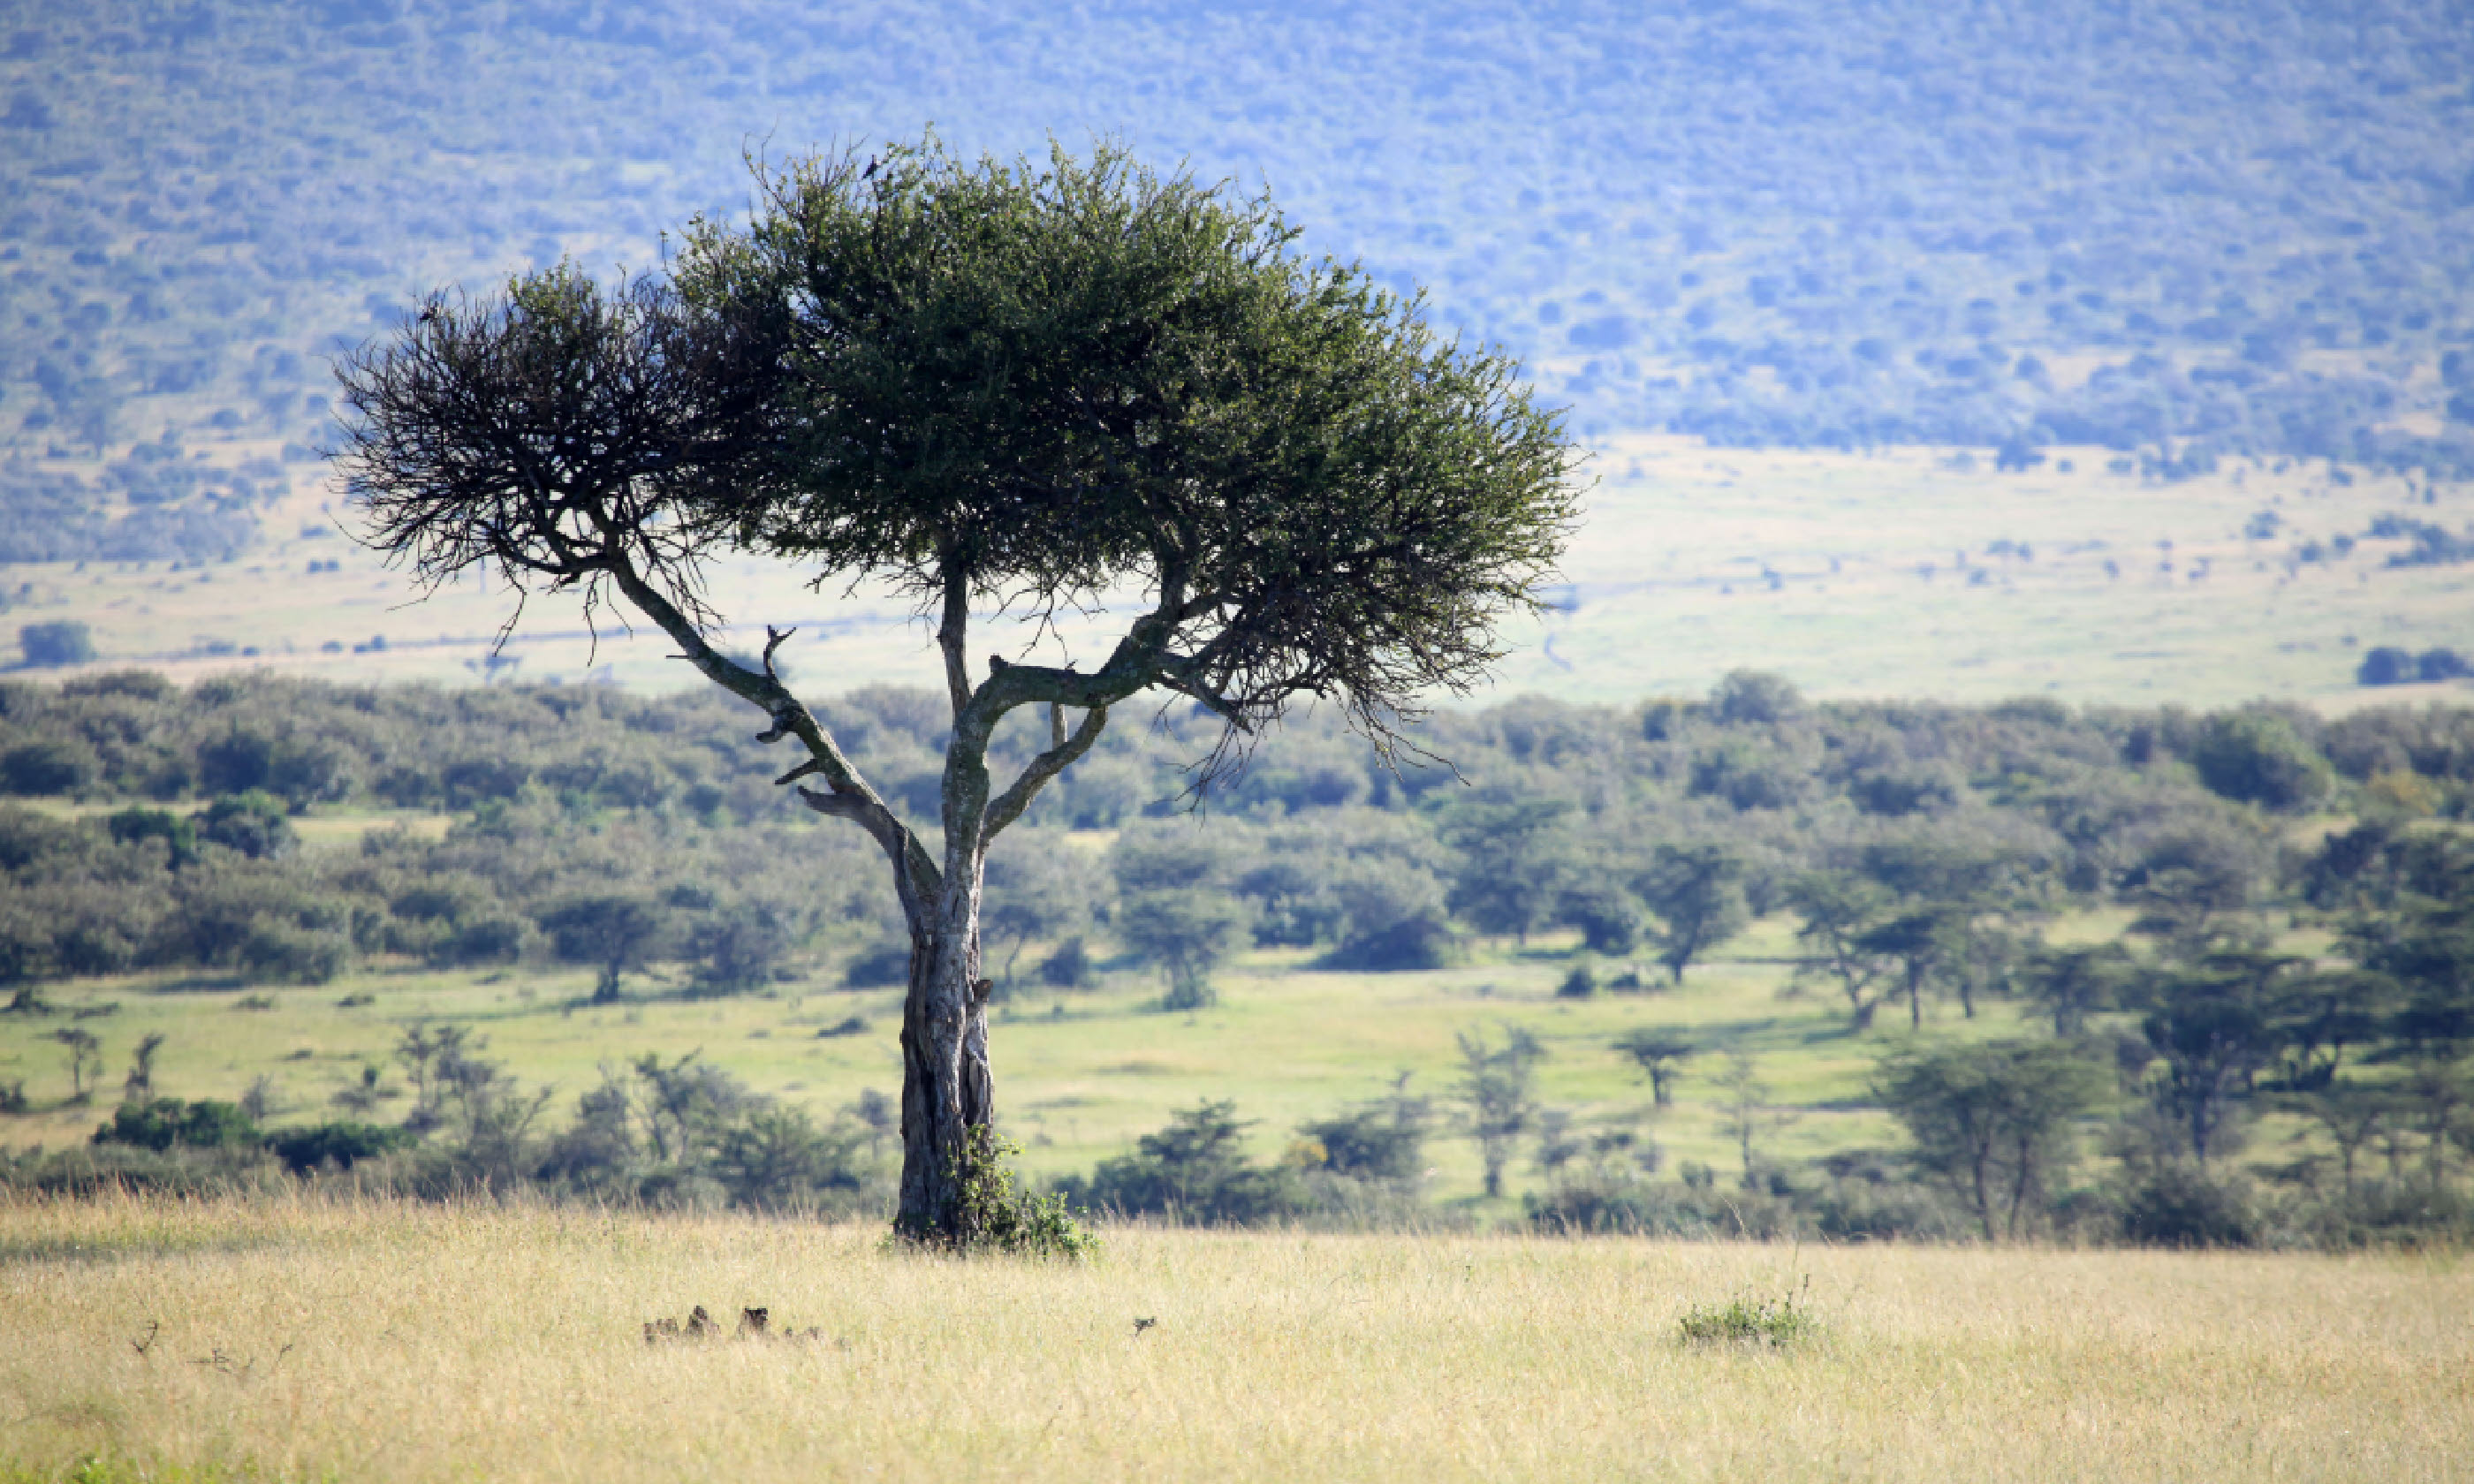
2181	231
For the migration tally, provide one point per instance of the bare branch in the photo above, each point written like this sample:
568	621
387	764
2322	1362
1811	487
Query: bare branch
773	640
853	798
1007	806
952	635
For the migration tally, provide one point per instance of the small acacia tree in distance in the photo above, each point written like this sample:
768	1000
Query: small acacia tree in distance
1024	386
1697	892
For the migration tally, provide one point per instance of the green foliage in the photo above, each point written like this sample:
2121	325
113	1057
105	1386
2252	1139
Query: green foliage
2259	757
1498	1084
162	1122
1758	1320
37	768
1036	375
1995	1119
251	823
344	1143
778	1157
1069	967
1186	932
994	1216
1607	916
1697	892
879	966
1385	1139
613	931
1660	1055
2182	1203
63	643
1752	697
1515	860
1194	1171
177	832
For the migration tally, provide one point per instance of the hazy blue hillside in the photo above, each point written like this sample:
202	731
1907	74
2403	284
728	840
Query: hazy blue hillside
2184	230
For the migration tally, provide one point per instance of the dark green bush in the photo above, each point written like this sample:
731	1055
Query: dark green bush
1382	1140
2181	1203
62	643
880	967
344	1143
251	823
34	768
1069	967
1421	940
1194	1171
2259	757
163	1122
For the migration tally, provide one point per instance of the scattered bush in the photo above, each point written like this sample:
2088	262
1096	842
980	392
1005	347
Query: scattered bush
167	1121
1750	1319
2181	1203
54	644
882	967
2390	665
344	1144
1069	967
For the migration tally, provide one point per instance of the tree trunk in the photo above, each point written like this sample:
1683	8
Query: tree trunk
947	1089
1978	1158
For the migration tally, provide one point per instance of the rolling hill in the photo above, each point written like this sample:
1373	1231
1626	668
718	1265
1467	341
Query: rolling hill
2182	231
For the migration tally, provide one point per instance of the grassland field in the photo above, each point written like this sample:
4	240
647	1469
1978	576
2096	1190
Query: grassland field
1893	574
307	1339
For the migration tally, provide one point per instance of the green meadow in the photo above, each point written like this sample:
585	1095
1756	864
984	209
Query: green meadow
1082	1073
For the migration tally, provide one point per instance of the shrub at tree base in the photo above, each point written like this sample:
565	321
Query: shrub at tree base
996	1218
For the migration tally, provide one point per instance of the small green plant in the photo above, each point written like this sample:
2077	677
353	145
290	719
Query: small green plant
1752	1319
996	1218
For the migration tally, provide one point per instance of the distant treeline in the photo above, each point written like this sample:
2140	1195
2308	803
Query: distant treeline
1918	850
616	829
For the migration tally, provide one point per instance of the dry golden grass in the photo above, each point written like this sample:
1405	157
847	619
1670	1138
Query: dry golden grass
385	1342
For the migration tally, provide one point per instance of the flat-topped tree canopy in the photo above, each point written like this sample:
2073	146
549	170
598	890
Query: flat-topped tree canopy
1028	386
1045	383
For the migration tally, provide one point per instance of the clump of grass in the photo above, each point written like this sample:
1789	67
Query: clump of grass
1753	1320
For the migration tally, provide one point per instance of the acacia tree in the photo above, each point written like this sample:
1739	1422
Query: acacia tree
1995	1119
1697	892
1026	386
